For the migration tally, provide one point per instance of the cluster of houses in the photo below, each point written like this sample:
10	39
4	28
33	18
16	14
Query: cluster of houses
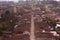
23	14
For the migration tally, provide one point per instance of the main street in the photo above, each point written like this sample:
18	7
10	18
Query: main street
32	35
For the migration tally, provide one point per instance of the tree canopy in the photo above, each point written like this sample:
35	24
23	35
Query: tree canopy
51	22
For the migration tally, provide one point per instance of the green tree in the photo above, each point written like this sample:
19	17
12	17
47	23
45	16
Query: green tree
51	22
6	16
7	22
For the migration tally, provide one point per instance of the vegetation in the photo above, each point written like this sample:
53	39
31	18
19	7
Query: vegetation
51	22
7	22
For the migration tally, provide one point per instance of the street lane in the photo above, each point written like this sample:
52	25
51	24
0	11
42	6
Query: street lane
32	36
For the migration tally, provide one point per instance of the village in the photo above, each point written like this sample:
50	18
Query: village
30	20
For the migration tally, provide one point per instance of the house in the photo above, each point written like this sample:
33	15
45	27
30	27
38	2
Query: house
58	27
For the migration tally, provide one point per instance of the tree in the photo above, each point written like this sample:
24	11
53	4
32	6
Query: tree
7	22
51	22
6	16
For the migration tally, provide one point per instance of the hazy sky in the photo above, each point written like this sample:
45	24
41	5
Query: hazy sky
15	0
10	0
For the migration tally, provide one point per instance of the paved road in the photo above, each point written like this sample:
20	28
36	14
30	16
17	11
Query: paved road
32	36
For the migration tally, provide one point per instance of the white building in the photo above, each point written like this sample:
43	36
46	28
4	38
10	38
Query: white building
58	24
